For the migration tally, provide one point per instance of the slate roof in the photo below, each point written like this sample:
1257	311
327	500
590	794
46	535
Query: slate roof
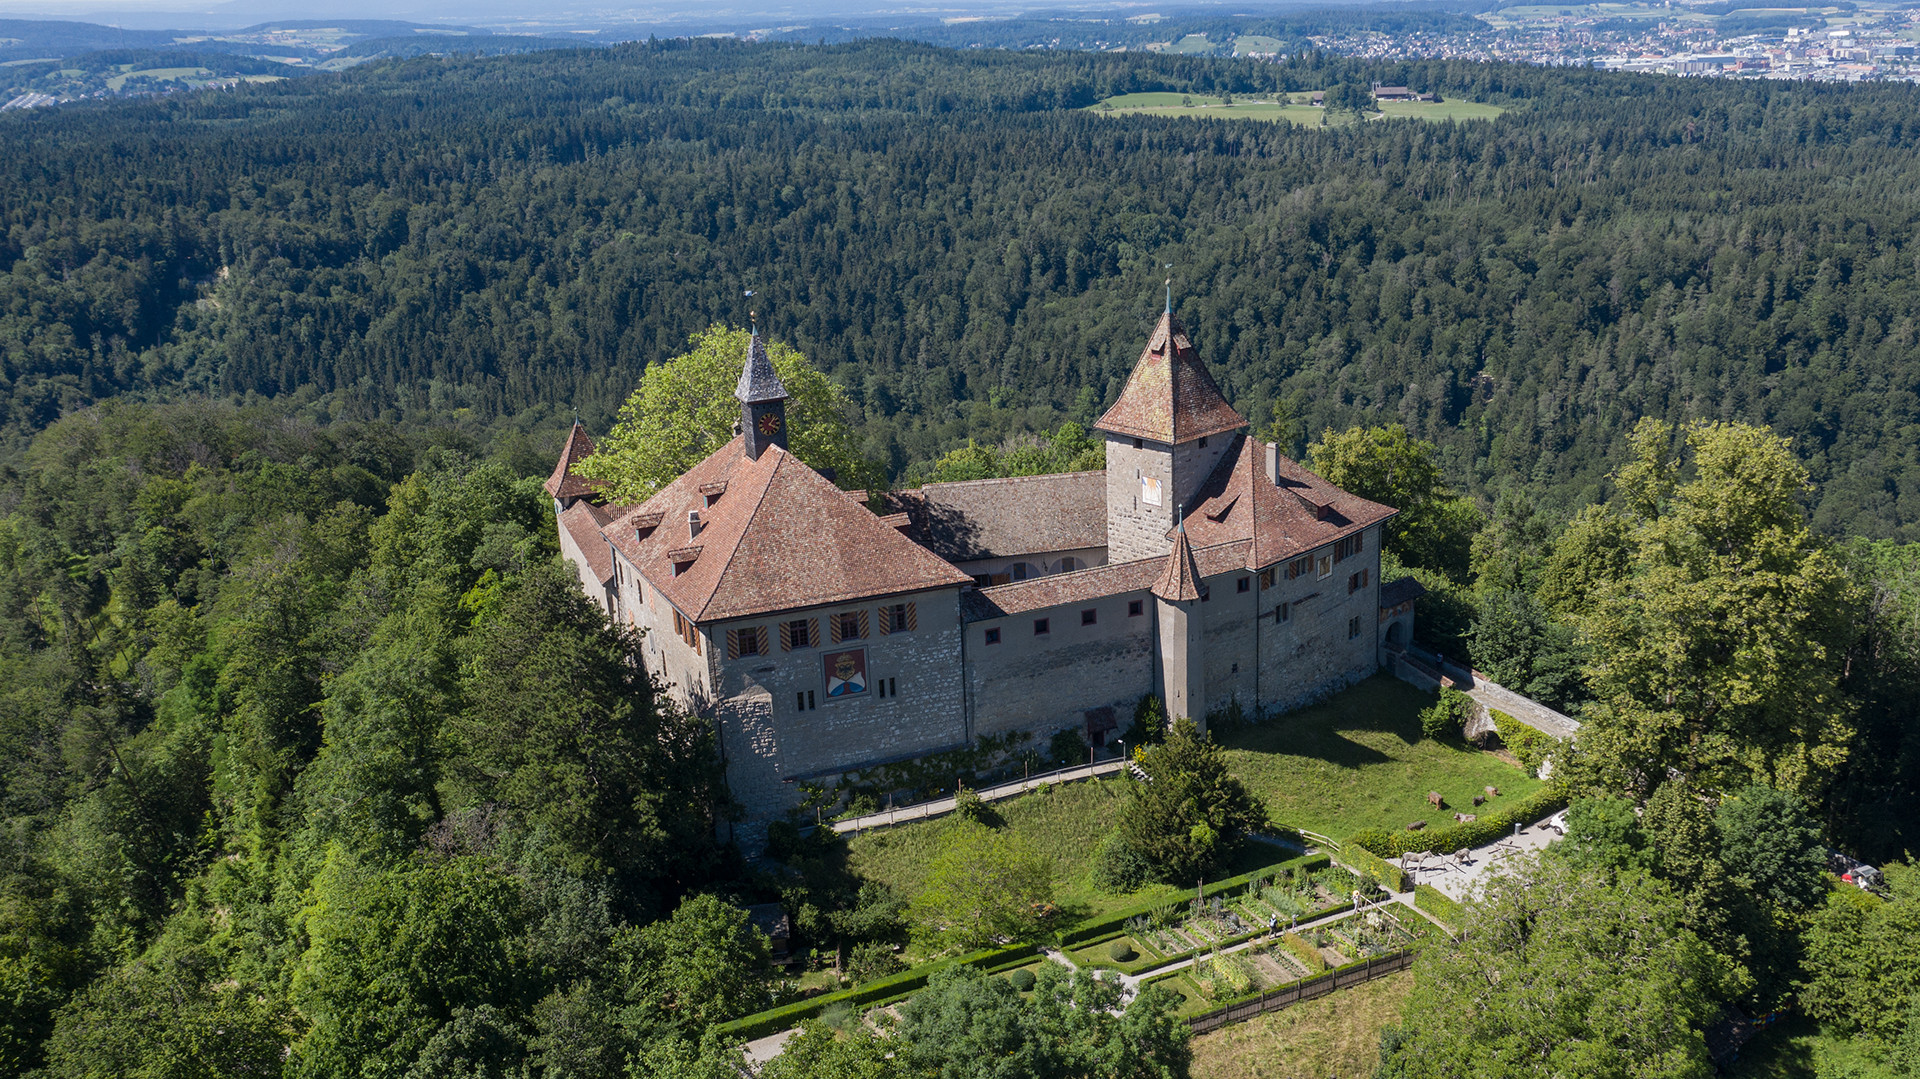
1180	579
779	538
1279	520
1401	590
583	524
1002	518
1170	397
758	381
563	483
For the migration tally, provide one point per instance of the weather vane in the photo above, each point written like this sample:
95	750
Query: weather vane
1169	288
753	315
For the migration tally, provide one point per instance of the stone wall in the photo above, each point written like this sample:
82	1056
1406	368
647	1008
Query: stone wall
1138	529
770	734
1047	683
1311	653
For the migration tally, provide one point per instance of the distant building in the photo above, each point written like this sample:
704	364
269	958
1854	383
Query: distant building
1201	565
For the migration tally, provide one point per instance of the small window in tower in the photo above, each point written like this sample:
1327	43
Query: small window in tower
993	636
1353	627
1136	608
1040	627
1245	584
1283	613
1137	444
1088	618
1203	443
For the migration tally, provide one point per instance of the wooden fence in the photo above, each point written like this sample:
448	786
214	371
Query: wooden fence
1305	989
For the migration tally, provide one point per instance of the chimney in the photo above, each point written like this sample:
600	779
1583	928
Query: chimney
693	524
1273	463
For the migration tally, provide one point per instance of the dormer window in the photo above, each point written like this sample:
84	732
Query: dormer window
683	559
713	491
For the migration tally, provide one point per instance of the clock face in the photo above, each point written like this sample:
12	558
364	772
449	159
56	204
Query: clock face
769	424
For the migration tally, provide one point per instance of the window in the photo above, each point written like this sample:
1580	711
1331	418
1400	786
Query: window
1326	566
1088	618
993	636
1137	444
1299	567
1244	584
1136	607
1203	443
898	618
848	626
1283	613
799	633
803	701
1348	547
1357	581
1069	564
886	687
1040	627
1353	627
746	642
1266	579
1023	570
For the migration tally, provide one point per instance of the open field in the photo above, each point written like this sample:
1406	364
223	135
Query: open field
1334	1037
1248	43
158	73
1440	110
1358	760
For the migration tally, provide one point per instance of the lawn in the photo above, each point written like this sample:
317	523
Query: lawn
1358	760
1064	823
1440	110
1798	1048
162	74
1335	1037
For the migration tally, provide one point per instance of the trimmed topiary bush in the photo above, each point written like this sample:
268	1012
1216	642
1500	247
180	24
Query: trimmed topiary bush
1022	979
1121	951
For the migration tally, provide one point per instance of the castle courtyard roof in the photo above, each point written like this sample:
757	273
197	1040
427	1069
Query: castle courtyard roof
1170	397
583	521
1084	586
778	536
1000	518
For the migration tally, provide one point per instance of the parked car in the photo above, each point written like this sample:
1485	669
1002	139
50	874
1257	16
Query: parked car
1864	877
1558	822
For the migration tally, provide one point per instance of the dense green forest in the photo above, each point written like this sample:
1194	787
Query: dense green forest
316	763
503	241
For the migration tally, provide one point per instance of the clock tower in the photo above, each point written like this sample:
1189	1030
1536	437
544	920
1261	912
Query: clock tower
763	402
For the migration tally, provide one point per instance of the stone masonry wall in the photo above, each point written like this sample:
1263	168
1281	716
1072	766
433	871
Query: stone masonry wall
1047	683
768	737
1310	654
1136	529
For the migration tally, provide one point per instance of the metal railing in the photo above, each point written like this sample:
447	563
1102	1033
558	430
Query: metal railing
1303	990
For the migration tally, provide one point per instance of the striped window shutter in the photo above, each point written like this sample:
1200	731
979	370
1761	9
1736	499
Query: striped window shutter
866	624
886	621
813	632
786	636
913	619
733	643
761	634
833	629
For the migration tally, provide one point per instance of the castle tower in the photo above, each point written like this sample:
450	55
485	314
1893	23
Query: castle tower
1180	678
1165	434
763	402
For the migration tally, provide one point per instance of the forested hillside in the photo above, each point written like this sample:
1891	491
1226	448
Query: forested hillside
499	242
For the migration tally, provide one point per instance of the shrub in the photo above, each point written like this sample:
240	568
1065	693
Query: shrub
1068	748
867	962
1530	747
1364	861
1118	867
1435	902
1022	979
1121	951
1489	827
1149	722
1448	716
968	806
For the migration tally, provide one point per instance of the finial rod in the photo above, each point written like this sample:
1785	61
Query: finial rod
1169	289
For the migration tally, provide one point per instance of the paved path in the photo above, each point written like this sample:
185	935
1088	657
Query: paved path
941	806
1457	878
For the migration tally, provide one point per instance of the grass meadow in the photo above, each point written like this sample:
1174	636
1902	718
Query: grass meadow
1334	1037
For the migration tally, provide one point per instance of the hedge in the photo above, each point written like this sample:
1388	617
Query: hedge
1489	827
1529	746
1435	902
1363	861
774	1020
1117	921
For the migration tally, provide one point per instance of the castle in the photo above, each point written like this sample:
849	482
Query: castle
1201	566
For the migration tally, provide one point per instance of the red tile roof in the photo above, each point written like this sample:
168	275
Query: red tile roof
1279	521
1099	582
1170	397
779	538
583	524
563	483
1180	579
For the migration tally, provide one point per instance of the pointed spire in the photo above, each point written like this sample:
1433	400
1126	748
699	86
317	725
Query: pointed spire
1170	397
758	381
1181	579
564	483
